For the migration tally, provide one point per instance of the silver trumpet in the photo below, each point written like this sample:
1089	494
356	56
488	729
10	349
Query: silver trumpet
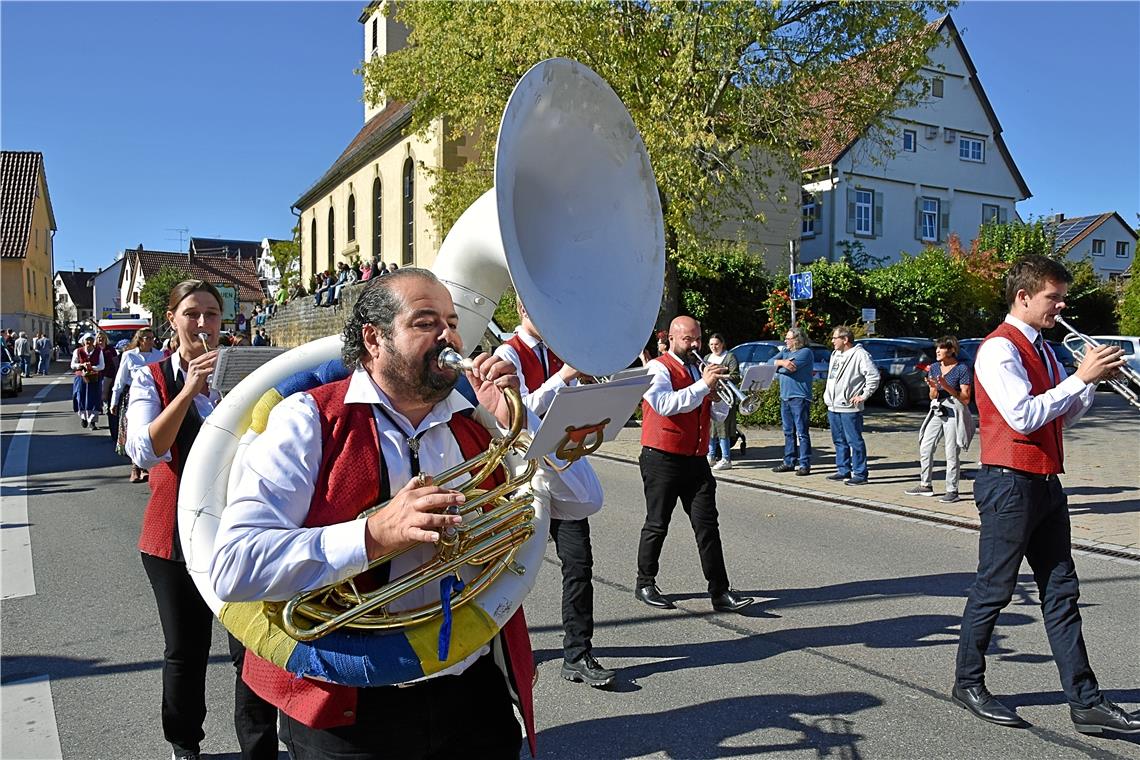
727	392
1125	377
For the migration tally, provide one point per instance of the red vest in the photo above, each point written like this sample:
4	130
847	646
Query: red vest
533	374
348	483
1040	451
159	535
686	433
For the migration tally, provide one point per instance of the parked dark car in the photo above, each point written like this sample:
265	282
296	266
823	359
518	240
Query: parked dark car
968	351
761	352
11	381
902	364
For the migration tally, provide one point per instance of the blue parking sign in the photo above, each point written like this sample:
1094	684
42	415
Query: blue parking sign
801	286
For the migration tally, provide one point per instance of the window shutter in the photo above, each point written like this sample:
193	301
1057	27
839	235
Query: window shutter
878	223
944	221
850	210
1003	216
918	218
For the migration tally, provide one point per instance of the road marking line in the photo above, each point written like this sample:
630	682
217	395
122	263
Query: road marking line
15	535
30	732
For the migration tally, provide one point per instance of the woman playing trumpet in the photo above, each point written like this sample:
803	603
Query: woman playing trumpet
168	401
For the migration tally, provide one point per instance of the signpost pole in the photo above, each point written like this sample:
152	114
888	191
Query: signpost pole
792	271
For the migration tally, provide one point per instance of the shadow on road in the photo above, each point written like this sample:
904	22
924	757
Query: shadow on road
804	722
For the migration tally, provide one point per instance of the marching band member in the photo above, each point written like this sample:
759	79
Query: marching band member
86	391
674	445
168	401
328	454
542	373
1024	402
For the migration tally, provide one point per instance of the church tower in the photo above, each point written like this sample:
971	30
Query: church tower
383	34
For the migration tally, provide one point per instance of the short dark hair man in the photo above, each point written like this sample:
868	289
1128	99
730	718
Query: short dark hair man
1024	401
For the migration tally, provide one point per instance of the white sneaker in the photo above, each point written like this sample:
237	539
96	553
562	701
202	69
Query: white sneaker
723	464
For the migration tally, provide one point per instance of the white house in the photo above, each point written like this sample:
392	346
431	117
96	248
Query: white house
73	296
266	270
949	170
1104	239
105	289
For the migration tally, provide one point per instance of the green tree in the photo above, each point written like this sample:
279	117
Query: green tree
717	90
155	293
1012	240
724	287
924	295
1128	310
286	255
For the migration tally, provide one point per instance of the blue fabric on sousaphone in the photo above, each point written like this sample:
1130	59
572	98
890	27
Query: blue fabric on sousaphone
310	378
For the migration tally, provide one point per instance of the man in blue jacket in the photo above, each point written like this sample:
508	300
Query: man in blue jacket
794	365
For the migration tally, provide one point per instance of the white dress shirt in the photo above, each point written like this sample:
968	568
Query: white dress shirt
144	407
999	370
263	552
666	401
76	362
540	399
128	363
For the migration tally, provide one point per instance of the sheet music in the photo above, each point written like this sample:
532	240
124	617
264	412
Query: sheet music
581	405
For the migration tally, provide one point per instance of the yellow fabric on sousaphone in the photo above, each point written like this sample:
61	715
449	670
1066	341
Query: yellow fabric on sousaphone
471	627
250	625
261	410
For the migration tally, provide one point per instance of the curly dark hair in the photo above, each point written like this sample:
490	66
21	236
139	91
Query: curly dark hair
378	305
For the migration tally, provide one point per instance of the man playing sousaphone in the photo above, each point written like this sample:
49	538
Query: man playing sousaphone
327	455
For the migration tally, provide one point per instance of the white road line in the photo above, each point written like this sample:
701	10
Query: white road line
29	732
15	535
29	729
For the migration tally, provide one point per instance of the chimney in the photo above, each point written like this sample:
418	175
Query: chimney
80	269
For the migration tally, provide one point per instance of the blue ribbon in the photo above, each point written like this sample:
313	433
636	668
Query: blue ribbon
447	586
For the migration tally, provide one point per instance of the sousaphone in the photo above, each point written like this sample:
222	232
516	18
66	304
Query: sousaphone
574	223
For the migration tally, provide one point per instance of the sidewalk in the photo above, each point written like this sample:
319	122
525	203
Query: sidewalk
1102	480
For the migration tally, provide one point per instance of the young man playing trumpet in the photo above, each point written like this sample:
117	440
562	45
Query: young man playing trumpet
1024	403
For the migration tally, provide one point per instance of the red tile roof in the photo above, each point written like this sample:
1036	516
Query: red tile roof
212	269
375	132
19	170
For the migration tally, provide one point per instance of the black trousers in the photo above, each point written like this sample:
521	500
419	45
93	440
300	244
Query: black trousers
572	541
1025	517
468	715
667	478
187	628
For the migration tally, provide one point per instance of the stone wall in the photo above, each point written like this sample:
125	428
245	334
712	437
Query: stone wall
300	321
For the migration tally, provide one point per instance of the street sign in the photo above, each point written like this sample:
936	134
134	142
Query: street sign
229	301
868	315
801	286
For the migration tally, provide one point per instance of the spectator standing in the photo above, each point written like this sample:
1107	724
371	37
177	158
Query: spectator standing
241	324
793	370
852	378
259	338
950	384
23	350
42	346
723	416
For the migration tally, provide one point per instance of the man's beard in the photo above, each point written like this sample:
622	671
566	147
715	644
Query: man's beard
417	376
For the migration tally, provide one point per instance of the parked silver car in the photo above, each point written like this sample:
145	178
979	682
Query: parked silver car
11	380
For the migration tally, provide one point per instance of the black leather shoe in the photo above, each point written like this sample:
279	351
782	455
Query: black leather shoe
1106	716
783	468
730	601
588	671
803	471
979	701
652	596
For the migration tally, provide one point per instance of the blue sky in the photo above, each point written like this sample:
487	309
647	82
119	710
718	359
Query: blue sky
217	116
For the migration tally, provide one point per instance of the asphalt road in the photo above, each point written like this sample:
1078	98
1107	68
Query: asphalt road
848	652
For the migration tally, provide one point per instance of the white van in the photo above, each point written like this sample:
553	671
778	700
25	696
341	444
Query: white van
121	327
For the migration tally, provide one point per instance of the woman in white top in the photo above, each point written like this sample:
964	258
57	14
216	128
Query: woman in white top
169	400
723	432
139	352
